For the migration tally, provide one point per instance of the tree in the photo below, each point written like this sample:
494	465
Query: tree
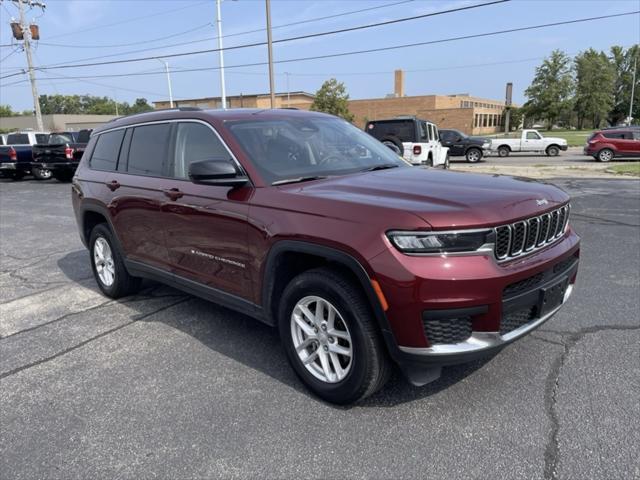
332	98
515	118
139	106
623	64
550	91
595	77
6	111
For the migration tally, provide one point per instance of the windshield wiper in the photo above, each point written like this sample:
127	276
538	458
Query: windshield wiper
298	179
384	166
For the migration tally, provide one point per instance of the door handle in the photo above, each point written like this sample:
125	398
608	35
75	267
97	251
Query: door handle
113	185
173	193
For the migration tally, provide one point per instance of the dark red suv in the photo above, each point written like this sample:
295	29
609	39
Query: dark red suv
306	223
605	145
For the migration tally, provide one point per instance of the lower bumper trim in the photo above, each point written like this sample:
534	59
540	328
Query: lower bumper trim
483	341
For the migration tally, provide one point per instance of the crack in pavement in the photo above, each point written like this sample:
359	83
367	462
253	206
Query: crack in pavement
89	340
551	453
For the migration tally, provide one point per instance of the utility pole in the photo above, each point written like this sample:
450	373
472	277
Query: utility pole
633	87
270	48
288	91
223	95
26	31
166	69
507	104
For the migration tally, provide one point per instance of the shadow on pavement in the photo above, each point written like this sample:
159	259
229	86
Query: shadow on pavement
254	344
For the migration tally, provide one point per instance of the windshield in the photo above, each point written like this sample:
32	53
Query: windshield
57	138
310	147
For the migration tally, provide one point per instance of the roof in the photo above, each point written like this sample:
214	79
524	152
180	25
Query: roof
206	114
243	95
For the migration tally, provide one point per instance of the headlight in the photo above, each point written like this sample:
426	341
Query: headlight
441	242
486	145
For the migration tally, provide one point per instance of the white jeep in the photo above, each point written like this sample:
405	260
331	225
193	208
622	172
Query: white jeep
416	140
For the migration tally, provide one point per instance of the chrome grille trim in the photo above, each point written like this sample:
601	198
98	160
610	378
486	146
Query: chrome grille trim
549	228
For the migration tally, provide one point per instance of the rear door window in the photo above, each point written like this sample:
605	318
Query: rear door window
148	153
106	151
195	142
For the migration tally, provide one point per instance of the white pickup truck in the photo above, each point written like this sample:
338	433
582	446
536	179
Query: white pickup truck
527	141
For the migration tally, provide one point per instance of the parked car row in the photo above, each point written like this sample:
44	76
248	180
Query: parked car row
42	154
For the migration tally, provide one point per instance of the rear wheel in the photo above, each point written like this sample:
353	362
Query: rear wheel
330	337
41	173
394	144
504	151
605	155
108	266
473	155
552	151
62	175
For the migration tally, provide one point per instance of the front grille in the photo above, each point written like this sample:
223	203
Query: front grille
454	330
516	319
523	285
528	235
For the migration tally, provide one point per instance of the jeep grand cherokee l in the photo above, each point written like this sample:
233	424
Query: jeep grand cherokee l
306	223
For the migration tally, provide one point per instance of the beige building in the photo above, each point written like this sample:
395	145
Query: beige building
471	115
301	100
54	123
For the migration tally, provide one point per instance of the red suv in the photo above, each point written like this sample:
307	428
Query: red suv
308	224
610	143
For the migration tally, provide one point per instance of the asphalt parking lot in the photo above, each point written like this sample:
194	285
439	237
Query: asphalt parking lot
164	385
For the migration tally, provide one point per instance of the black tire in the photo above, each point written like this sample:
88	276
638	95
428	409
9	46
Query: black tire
430	161
123	283
62	175
473	155
504	151
41	173
605	155
446	164
552	151
394	144
370	367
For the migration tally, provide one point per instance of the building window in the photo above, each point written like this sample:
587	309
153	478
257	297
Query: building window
484	119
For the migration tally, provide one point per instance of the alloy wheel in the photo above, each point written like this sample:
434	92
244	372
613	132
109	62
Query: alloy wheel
103	260
321	339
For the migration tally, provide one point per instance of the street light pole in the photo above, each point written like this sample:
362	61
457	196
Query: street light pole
166	69
223	95
270	48
633	86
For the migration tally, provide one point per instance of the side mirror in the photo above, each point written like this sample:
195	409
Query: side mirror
216	172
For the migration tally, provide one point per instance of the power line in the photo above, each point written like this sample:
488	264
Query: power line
207	39
358	52
282	40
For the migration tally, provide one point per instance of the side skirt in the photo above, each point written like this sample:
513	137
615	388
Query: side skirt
214	295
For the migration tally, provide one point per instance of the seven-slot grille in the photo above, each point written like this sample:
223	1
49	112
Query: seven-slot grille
528	235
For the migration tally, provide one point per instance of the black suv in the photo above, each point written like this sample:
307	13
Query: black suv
461	145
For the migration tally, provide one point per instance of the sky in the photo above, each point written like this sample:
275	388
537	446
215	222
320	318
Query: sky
73	31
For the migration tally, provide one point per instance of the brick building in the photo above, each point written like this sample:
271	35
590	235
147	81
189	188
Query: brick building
472	115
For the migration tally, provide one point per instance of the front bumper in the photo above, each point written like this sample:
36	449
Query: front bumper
564	147
452	290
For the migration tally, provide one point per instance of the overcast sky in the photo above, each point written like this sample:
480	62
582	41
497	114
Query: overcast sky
74	30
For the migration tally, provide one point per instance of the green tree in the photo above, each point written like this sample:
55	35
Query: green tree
6	111
332	98
595	77
515	118
623	64
139	106
550	92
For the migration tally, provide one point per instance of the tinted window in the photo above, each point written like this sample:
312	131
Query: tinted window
404	130
83	136
105	153
148	151
424	136
18	139
42	138
195	142
613	134
55	138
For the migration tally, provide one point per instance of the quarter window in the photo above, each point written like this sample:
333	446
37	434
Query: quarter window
105	153
148	151
195	142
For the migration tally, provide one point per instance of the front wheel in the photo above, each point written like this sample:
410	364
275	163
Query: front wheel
330	337
552	151
41	173
605	155
474	155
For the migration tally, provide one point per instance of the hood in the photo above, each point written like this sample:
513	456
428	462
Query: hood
443	199
555	140
480	140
